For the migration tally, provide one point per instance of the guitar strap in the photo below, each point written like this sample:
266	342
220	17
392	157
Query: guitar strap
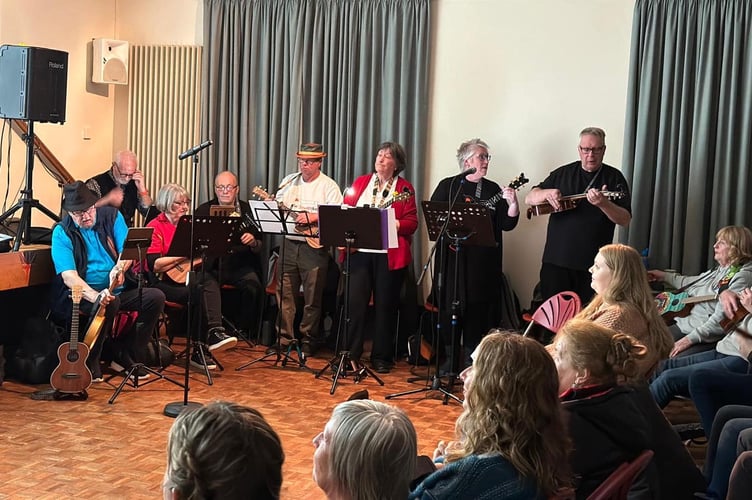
592	181
700	278
478	188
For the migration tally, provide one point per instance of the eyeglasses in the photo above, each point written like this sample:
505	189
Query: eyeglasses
181	203
484	156
308	162
225	188
81	213
587	151
120	172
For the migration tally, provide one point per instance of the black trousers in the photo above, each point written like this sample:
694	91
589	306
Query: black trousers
369	273
555	279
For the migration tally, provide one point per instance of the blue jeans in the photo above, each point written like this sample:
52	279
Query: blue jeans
732	428
672	379
713	388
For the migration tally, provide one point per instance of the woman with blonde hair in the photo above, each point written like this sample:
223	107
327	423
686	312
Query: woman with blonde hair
609	421
624	303
511	439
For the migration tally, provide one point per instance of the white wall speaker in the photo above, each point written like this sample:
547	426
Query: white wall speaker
109	62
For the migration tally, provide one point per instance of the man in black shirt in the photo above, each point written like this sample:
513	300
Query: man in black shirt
122	186
575	235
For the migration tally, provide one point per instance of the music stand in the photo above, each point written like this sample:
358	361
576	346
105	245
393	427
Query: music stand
339	226
464	224
136	243
271	218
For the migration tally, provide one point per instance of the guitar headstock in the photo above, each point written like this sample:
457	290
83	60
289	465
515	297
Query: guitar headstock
405	195
519	181
615	195
261	193
76	293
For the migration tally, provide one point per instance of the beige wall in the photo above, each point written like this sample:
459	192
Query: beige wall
525	75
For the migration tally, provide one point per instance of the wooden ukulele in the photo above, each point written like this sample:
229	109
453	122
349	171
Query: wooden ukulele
310	231
490	203
677	305
569	203
731	324
71	375
97	321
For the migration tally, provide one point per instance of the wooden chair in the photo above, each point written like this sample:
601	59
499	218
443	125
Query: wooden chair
555	311
617	485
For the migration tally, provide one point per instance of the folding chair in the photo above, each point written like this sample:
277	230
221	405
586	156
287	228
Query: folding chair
555	311
617	485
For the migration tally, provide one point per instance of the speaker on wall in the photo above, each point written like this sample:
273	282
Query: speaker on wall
33	83
109	61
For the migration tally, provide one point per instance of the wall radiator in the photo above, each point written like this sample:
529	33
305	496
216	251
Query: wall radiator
164	106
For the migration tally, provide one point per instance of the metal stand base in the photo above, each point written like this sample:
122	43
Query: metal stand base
282	355
436	385
343	363
130	378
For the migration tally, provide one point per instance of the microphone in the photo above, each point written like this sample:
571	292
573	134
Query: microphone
195	149
469	171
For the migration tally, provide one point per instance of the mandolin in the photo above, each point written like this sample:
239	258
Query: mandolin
569	203
97	321
490	203
71	375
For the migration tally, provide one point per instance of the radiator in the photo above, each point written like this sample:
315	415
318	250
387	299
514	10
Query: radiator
164	110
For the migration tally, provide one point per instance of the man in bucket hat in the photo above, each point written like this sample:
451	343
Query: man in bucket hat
86	246
304	261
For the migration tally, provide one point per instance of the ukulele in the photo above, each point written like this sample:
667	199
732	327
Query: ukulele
310	231
569	203
179	273
71	375
731	324
490	203
677	305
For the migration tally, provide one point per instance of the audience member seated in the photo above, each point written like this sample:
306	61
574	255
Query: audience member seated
173	200
611	423
223	450
367	450
711	386
512	441
624	303
698	331
731	435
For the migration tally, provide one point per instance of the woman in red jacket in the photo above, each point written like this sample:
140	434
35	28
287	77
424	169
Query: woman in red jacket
381	272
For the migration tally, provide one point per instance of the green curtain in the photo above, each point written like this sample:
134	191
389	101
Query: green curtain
687	145
346	73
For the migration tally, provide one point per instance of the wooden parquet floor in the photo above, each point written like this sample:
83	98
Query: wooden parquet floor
92	449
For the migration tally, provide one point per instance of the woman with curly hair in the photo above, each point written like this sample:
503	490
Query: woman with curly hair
624	303
511	440
612	421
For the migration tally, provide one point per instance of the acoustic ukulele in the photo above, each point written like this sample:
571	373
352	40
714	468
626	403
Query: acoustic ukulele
490	203
71	375
677	305
569	203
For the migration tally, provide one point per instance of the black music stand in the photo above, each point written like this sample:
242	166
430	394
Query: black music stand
137	241
342	226
463	224
270	218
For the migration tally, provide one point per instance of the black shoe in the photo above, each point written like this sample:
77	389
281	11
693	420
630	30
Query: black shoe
380	366
218	339
197	364
139	373
308	348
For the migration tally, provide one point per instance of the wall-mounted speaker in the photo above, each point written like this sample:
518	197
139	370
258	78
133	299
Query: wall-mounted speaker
33	83
109	61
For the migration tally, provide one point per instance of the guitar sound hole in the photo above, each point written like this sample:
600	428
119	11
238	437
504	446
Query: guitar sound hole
73	356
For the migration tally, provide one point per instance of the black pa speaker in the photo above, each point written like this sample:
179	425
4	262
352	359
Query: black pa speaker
33	83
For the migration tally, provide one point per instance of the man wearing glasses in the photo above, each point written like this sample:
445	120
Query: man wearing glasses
304	261
575	235
86	246
122	186
242	267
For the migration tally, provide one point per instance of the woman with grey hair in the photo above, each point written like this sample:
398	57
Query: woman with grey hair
174	202
480	274
367	450
223	450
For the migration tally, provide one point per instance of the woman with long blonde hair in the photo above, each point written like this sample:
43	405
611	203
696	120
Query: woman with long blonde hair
624	302
511	439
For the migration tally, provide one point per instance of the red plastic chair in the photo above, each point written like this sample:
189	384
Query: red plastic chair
617	485
555	311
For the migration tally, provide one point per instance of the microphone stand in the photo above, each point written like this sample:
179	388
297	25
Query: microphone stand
177	407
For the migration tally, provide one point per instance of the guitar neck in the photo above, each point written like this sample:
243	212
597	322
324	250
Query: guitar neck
699	298
607	194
